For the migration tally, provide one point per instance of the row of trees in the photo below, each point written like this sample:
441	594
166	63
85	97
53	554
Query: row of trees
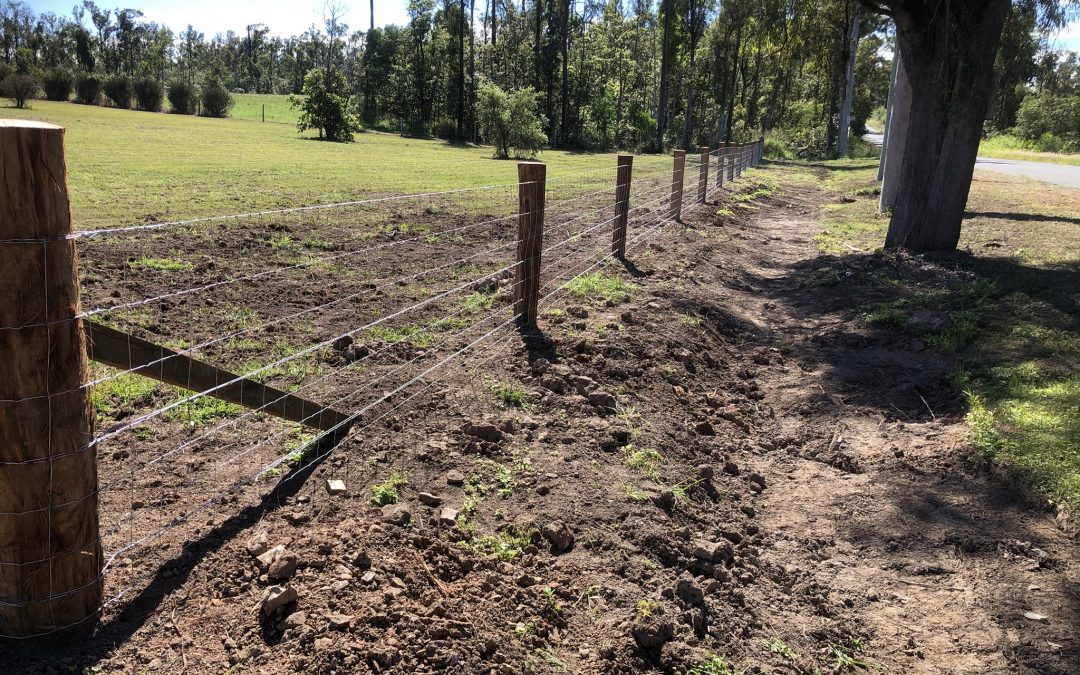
630	73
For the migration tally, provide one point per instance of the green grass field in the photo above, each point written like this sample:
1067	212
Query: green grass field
1010	147
126	166
250	107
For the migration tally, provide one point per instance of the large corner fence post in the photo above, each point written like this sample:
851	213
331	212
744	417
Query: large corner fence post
532	178
50	546
623	175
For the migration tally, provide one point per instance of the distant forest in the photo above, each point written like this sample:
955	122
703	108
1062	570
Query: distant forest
633	74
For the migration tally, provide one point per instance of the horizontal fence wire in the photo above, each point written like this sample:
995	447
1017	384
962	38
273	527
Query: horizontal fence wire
651	187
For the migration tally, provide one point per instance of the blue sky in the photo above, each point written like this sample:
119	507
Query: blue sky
290	18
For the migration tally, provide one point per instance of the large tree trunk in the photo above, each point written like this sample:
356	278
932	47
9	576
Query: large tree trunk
949	47
563	129
461	74
665	65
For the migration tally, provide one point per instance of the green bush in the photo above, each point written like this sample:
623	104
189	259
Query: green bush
149	94
182	97
58	84
1050	121
324	106
87	89
20	88
510	121
216	100
776	149
119	90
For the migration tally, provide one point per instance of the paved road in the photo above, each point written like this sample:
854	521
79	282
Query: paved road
1059	174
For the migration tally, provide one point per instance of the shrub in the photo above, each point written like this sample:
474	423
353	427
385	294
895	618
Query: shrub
149	94
776	149
20	88
87	89
1050	121
119	90
58	84
511	121
216	100
182	97
324	106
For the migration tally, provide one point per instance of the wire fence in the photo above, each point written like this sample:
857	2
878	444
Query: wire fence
363	306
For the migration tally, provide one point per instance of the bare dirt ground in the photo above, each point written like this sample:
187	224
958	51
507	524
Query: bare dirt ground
725	463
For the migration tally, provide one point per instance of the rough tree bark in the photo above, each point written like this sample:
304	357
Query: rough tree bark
661	106
949	47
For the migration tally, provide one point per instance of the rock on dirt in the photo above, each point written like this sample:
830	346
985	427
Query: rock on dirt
398	514
283	567
454	477
448	516
485	432
559	534
429	499
651	632
277	597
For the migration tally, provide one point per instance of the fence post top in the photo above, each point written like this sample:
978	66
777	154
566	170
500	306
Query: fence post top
28	124
679	152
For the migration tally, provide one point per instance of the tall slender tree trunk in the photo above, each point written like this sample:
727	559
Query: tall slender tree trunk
734	84
472	69
461	73
563	128
849	82
665	66
688	118
949	48
372	14
536	41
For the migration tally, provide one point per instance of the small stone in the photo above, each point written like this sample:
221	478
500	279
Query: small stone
731	468
526	580
485	432
757	479
1035	616
585	385
368	577
398	514
454	477
713	551
448	516
428	499
559	534
297	518
277	597
283	567
603	400
748	510
705	472
295	620
258	544
361	559
323	644
267	557
335	487
339	621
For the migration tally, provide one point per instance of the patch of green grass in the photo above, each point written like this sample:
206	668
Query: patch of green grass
960	332
475	302
635	494
647	607
850	227
160	264
202	411
505	545
645	461
600	287
714	665
775	645
886	316
682	490
122	394
250	107
845	657
510	395
691	321
1011	147
386	492
416	335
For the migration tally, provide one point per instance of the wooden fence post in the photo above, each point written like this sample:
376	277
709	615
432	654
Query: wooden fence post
50	548
720	152
703	176
532	177
729	150
623	172
760	150
677	173
263	112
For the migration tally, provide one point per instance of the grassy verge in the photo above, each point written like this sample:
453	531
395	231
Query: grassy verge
1012	317
250	107
1010	147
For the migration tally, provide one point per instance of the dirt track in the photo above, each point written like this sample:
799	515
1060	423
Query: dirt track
826	502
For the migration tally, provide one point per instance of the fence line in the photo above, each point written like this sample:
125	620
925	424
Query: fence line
660	204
